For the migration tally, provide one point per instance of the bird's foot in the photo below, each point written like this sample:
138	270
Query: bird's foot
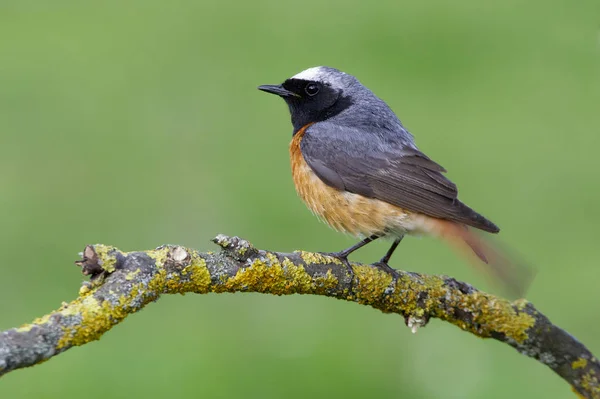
384	267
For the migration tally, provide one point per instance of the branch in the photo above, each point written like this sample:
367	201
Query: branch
123	283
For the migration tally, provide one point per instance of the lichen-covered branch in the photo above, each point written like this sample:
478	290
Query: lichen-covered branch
123	283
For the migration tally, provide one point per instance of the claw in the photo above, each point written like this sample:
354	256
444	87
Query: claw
342	258
383	266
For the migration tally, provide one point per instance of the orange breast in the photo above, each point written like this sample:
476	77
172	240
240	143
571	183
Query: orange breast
345	211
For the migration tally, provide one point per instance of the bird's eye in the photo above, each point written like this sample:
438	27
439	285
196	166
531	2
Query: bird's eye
311	89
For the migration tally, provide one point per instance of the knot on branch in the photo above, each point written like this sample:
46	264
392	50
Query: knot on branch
236	247
99	260
172	256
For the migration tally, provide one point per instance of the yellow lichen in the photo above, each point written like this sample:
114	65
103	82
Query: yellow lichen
409	295
160	256
372	284
422	296
131	275
322	284
580	396
39	321
198	278
97	318
521	304
258	277
222	241
589	382
158	281
84	289
579	363
317	258
493	314
107	261
173	284
272	258
298	279
269	276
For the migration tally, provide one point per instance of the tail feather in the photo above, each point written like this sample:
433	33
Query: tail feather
513	275
469	217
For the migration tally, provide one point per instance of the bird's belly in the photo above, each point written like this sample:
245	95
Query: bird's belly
348	212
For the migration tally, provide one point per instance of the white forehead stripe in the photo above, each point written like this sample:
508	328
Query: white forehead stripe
314	74
329	76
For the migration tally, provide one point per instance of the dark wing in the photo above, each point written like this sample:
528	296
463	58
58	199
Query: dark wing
384	165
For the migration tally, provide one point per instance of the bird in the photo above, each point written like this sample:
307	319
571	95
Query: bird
358	169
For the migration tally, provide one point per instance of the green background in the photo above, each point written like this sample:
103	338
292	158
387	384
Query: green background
138	123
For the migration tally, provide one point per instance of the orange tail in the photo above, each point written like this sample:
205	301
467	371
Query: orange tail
514	276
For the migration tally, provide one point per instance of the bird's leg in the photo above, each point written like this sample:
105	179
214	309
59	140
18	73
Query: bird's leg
343	255
383	262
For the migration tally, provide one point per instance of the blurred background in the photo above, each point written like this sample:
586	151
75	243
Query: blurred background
138	123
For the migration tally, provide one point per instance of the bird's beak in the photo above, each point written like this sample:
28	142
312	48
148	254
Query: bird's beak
277	89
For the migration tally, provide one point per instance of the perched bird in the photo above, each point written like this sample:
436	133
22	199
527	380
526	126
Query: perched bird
358	169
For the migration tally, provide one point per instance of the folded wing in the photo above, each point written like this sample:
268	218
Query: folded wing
374	163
